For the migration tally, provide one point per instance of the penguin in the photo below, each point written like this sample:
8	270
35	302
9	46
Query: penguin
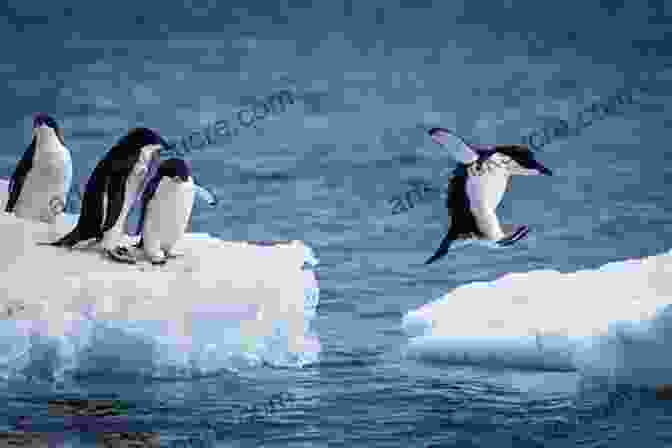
167	203
200	193
476	188
42	178
114	188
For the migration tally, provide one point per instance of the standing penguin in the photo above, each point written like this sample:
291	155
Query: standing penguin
113	189
167	203
477	186
41	180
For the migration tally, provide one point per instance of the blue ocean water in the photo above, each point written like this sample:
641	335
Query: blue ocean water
369	78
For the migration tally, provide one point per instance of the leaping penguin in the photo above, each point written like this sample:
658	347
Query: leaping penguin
477	186
114	187
41	180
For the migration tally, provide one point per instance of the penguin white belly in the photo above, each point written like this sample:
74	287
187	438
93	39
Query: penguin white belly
113	237
167	216
43	183
485	192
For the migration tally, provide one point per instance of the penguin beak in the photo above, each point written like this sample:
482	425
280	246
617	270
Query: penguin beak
43	121
38	122
543	170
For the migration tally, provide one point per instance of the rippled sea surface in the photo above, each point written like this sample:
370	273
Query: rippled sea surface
369	78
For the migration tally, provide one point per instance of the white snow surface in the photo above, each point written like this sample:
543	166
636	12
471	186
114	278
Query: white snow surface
222	305
613	322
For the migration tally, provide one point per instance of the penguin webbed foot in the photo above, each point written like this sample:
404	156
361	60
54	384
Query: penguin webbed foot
515	236
174	254
157	257
121	254
158	260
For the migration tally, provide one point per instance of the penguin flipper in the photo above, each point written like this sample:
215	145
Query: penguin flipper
147	196
116	193
19	176
67	178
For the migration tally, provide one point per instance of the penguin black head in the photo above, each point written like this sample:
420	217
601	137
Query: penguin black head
432	132
177	169
524	158
139	137
42	120
127	152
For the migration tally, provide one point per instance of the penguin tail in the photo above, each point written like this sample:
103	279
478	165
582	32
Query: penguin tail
59	243
63	242
443	248
69	240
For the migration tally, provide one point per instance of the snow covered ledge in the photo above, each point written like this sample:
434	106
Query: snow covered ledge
614	321
220	300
